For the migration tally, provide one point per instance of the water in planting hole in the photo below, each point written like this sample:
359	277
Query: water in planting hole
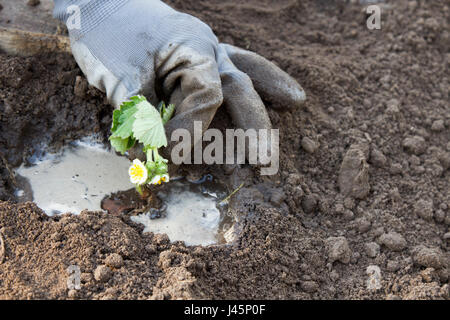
193	213
85	172
76	178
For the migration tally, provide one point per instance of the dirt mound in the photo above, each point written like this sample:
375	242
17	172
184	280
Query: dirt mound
360	208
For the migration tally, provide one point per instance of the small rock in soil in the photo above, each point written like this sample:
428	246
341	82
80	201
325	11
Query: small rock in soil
377	158
161	239
110	294
72	294
392	106
334	275
424	209
415	145
355	257
354	174
428	275
438	126
393	266
277	197
414	160
393	241
309	286
102	273
86	277
309	145
377	232
297	194
338	250
396	168
372	249
309	203
349	203
151	248
428	257
339	208
363	225
293	179
114	260
348	215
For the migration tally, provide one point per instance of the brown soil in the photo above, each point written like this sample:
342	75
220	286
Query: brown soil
373	188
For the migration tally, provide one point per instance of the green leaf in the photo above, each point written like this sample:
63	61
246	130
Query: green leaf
126	120
121	145
118	114
115	122
148	127
167	113
122	127
137	119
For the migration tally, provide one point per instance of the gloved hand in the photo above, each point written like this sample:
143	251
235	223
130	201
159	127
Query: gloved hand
130	47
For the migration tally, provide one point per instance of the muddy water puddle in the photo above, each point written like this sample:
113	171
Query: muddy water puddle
76	178
85	172
194	213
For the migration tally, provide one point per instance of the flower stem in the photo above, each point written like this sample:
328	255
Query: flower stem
156	154
149	154
139	190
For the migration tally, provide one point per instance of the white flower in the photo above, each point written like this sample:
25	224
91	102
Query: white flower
156	179
160	178
138	172
165	178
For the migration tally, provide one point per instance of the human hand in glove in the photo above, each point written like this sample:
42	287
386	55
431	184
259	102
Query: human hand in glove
130	47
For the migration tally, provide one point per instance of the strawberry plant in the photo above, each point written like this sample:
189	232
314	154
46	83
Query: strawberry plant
138	121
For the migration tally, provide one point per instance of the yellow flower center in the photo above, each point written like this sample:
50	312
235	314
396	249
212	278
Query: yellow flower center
137	172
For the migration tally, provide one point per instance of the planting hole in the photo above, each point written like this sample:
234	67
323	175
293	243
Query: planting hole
85	172
194	213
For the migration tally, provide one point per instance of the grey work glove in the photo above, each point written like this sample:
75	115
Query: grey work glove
130	47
